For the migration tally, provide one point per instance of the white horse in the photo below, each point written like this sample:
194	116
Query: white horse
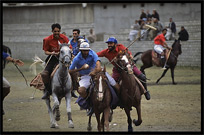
61	85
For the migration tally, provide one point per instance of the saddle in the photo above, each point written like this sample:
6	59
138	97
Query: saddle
37	81
156	57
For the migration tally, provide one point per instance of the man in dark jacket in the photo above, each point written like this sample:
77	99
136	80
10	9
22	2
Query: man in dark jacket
183	34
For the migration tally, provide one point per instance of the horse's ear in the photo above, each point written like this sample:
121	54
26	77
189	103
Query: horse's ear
104	68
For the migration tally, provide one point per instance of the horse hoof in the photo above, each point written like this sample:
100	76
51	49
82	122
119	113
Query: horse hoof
174	83
71	125
54	126
89	128
130	129
57	118
136	122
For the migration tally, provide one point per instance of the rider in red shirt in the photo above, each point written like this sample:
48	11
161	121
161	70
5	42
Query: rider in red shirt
111	52
160	45
51	48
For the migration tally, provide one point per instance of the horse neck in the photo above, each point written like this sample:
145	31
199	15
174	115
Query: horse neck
126	77
63	70
175	50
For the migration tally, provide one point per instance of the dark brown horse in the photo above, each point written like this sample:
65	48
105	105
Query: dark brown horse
172	60
130	91
101	100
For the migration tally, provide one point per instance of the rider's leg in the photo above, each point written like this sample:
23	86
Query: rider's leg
6	91
74	77
113	83
142	77
84	84
46	78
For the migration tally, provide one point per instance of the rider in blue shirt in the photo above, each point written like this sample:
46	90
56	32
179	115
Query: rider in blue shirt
74	41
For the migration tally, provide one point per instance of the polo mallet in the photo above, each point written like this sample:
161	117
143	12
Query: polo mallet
149	27
38	80
166	59
146	25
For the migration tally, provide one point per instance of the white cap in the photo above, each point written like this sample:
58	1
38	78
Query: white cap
84	46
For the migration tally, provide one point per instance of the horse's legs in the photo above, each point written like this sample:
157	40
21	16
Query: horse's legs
106	118
172	75
89	128
129	120
97	114
52	120
163	74
138	109
57	111
68	106
102	121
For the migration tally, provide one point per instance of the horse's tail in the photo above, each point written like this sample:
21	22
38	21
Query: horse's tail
36	60
137	54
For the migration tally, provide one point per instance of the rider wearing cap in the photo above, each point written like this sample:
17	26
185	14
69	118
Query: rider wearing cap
111	52
87	63
160	45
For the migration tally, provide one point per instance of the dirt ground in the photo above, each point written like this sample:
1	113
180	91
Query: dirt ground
172	108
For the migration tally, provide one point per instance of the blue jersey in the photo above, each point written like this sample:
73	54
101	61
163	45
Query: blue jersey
5	55
75	47
79	61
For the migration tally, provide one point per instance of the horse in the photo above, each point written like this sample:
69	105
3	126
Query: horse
7	50
61	85
101	99
147	60
130	90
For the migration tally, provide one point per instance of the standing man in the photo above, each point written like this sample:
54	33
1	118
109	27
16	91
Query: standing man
172	26
6	85
111	52
160	45
51	48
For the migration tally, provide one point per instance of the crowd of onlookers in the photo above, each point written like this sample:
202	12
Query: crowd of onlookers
139	30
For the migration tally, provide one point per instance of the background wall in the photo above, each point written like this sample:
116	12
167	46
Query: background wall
26	24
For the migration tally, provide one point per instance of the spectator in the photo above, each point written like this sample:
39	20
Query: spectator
155	14
135	29
149	16
143	15
172	30
91	37
142	30
183	34
158	25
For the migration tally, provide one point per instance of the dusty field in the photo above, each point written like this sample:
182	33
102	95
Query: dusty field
172	108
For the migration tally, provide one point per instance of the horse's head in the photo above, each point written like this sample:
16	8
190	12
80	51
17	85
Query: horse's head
123	61
100	84
176	47
65	54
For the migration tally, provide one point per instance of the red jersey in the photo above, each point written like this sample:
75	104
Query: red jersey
51	44
110	55
159	40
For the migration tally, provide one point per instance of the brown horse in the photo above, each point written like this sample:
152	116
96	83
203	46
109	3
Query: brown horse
172	60
130	91
101	100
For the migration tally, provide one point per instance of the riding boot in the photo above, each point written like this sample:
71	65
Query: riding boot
47	92
73	94
163	60
143	78
90	110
